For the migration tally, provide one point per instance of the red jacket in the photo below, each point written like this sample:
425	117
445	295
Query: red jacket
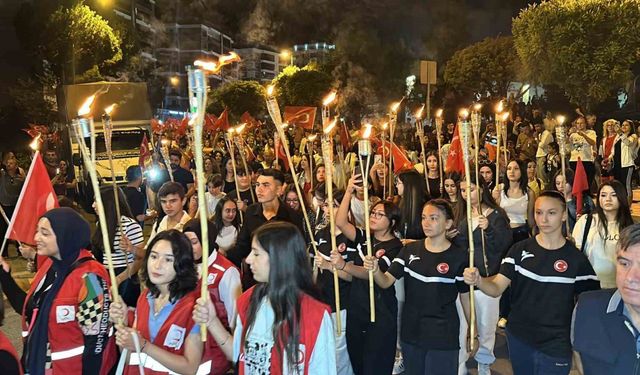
65	335
5	345
311	314
171	337
218	265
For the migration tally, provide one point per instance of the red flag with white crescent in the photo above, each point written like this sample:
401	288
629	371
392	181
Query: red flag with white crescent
36	198
303	117
399	157
455	162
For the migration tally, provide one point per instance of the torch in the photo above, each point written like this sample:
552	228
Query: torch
164	150
229	142
310	139
274	112
384	176
79	126
364	150
561	137
327	155
108	137
498	118
439	122
464	132
393	119
420	133
241	149
197	104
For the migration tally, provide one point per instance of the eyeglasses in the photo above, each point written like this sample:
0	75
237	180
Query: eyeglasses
377	214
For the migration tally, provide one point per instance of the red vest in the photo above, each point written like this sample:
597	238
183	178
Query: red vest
212	351
5	345
311	314
65	335
171	337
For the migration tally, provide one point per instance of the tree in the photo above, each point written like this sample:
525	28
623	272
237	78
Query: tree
238	97
586	47
73	40
484	67
306	86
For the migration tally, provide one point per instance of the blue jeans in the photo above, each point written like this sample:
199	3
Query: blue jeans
418	361
527	360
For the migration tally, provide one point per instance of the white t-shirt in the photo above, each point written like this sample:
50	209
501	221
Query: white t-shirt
260	341
580	147
600	251
543	146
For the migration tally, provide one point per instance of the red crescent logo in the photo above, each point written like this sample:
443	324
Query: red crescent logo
342	247
442	268
380	253
560	266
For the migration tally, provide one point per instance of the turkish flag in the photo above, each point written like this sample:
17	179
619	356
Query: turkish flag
223	121
399	157
280	153
36	198
303	117
455	163
249	120
145	153
580	184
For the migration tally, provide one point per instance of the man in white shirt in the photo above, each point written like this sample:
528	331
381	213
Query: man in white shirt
582	143
172	199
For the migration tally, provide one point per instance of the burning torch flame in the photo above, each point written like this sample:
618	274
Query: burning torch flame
439	113
330	126
385	126
367	131
505	116
228	59
240	128
329	98
312	137
35	143
165	142
109	109
85	109
464	113
560	119
215	67
477	107
395	106
499	107
419	112
270	90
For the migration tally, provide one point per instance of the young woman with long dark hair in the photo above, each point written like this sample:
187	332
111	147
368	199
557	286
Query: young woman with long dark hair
452	194
227	223
411	189
546	273
223	282
371	346
434	187
279	318
169	338
324	280
597	234
488	220
623	154
516	199
433	271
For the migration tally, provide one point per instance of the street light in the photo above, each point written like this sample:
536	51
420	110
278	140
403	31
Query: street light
286	54
174	80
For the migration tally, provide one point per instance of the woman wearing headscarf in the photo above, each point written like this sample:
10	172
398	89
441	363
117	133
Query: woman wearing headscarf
65	318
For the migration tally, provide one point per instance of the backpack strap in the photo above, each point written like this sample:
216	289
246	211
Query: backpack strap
587	226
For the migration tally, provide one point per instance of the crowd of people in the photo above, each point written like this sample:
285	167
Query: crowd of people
271	307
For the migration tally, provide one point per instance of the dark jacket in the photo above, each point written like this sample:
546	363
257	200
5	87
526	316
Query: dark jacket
604	336
497	241
253	219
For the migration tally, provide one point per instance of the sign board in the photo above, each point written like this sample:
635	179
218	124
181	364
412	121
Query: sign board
428	72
